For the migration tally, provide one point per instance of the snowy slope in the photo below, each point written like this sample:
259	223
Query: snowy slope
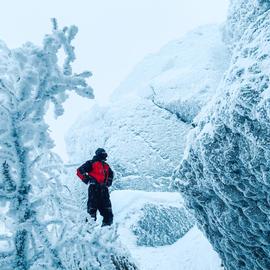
183	75
145	126
191	252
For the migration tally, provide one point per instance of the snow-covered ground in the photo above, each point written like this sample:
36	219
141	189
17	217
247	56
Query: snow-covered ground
191	252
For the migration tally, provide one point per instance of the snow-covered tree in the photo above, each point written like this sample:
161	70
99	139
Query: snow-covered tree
40	227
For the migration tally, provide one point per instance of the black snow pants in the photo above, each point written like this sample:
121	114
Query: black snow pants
99	199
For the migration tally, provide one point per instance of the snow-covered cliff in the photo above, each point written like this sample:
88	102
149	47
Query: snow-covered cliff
225	175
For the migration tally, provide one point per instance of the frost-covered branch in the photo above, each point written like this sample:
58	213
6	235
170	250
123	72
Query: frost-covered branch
30	78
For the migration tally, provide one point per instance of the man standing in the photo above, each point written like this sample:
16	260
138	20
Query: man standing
99	175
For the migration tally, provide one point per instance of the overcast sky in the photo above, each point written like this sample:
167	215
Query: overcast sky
114	35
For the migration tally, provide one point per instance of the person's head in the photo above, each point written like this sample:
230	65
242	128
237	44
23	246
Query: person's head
101	154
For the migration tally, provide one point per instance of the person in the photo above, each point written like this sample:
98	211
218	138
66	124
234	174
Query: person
98	174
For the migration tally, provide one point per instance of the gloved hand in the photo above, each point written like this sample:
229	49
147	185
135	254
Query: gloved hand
86	178
91	180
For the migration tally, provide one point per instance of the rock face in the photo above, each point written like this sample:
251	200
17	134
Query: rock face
225	173
156	229
242	13
161	225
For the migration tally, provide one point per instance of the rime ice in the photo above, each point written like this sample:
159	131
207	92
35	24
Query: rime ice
224	175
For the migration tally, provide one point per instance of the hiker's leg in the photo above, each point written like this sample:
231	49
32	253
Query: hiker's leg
105	208
92	203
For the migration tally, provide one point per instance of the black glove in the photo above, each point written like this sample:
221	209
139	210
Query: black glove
85	178
91	180
88	179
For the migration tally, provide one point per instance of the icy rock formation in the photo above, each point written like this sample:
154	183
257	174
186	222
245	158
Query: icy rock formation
225	175
162	225
240	16
152	109
192	251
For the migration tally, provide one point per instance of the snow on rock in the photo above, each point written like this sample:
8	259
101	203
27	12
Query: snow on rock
183	75
152	109
240	16
191	251
139	137
224	175
161	225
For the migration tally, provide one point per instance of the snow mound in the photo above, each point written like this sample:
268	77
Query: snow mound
191	251
225	172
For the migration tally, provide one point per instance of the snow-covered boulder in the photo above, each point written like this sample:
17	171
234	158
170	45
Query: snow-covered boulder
145	125
139	137
155	245
161	225
224	175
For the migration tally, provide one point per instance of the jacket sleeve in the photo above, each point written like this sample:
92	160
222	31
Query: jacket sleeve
110	177
83	169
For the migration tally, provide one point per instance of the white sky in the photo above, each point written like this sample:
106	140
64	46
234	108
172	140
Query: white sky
114	35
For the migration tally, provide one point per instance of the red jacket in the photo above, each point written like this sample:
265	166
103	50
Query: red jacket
96	170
